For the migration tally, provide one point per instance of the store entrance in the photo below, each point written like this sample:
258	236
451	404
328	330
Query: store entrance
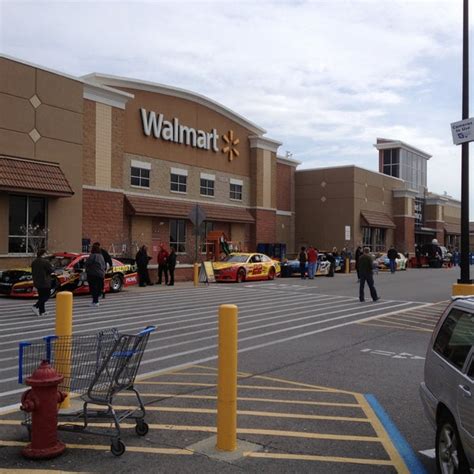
422	238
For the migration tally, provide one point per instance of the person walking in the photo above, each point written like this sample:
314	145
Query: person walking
142	259
392	254
171	265
303	258
41	270
366	273
95	270
358	254
162	264
312	261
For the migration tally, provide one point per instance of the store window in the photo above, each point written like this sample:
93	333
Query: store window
391	162
204	229
178	235
140	174
179	180
27	231
374	238
236	189
207	184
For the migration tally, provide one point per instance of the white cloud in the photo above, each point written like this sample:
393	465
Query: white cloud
325	77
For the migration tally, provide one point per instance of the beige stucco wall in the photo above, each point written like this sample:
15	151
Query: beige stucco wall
35	99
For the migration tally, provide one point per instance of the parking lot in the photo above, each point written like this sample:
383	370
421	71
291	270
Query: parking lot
311	360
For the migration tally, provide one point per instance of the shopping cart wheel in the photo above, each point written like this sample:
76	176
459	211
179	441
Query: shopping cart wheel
117	447
141	428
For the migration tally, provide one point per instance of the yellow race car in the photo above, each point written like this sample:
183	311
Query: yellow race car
241	267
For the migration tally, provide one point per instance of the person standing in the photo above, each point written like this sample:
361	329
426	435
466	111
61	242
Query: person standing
162	264
312	260
142	259
107	260
95	270
41	270
366	273
303	258
171	265
392	254
358	254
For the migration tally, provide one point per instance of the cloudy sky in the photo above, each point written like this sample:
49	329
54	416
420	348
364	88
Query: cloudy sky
324	77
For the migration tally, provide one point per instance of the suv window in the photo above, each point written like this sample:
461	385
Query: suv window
456	337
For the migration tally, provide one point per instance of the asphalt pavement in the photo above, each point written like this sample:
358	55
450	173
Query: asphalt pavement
318	372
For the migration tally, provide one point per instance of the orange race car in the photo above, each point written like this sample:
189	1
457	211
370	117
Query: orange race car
241	267
68	276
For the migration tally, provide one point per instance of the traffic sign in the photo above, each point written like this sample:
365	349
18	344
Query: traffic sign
197	215
463	131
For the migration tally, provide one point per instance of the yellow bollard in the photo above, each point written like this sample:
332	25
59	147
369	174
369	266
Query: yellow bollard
348	266
64	328
227	379
196	274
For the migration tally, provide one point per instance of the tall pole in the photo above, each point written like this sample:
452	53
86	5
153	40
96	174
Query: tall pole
465	276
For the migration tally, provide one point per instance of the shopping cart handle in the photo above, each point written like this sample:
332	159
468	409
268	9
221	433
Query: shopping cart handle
22	345
147	330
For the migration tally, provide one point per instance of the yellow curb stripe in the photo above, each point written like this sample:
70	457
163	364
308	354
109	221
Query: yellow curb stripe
98	447
394	455
254	431
244	399
298	416
310	457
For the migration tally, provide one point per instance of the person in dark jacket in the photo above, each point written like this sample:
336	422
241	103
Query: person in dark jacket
392	255
142	259
41	270
95	269
108	261
162	260
358	254
303	258
366	273
171	265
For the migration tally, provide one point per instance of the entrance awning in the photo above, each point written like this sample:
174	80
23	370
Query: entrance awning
155	207
425	231
377	219
34	177
452	229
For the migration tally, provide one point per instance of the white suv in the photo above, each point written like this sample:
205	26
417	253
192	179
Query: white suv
448	389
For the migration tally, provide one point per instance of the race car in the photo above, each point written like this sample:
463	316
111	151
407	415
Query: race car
241	267
68	275
383	262
291	267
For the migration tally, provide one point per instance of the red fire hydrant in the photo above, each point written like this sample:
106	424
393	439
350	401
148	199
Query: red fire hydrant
41	400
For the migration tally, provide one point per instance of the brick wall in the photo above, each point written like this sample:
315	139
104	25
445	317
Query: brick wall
103	218
284	186
264	230
404	234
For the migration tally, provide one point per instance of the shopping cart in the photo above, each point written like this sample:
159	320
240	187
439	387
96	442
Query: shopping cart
96	368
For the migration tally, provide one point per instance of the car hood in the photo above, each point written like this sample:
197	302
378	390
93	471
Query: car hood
224	265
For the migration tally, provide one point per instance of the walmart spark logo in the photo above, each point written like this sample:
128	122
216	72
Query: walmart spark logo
230	148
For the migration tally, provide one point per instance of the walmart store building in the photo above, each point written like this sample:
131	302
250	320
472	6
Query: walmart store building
124	161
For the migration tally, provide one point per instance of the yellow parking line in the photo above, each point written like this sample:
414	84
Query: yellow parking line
414	325
394	455
244	399
257	387
310	457
212	411
299	384
40	471
98	447
394	326
246	431
408	319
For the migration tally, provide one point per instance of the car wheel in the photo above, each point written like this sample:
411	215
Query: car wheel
271	274
116	283
450	457
241	275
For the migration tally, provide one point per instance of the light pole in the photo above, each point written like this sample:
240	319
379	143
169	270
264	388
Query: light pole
465	273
